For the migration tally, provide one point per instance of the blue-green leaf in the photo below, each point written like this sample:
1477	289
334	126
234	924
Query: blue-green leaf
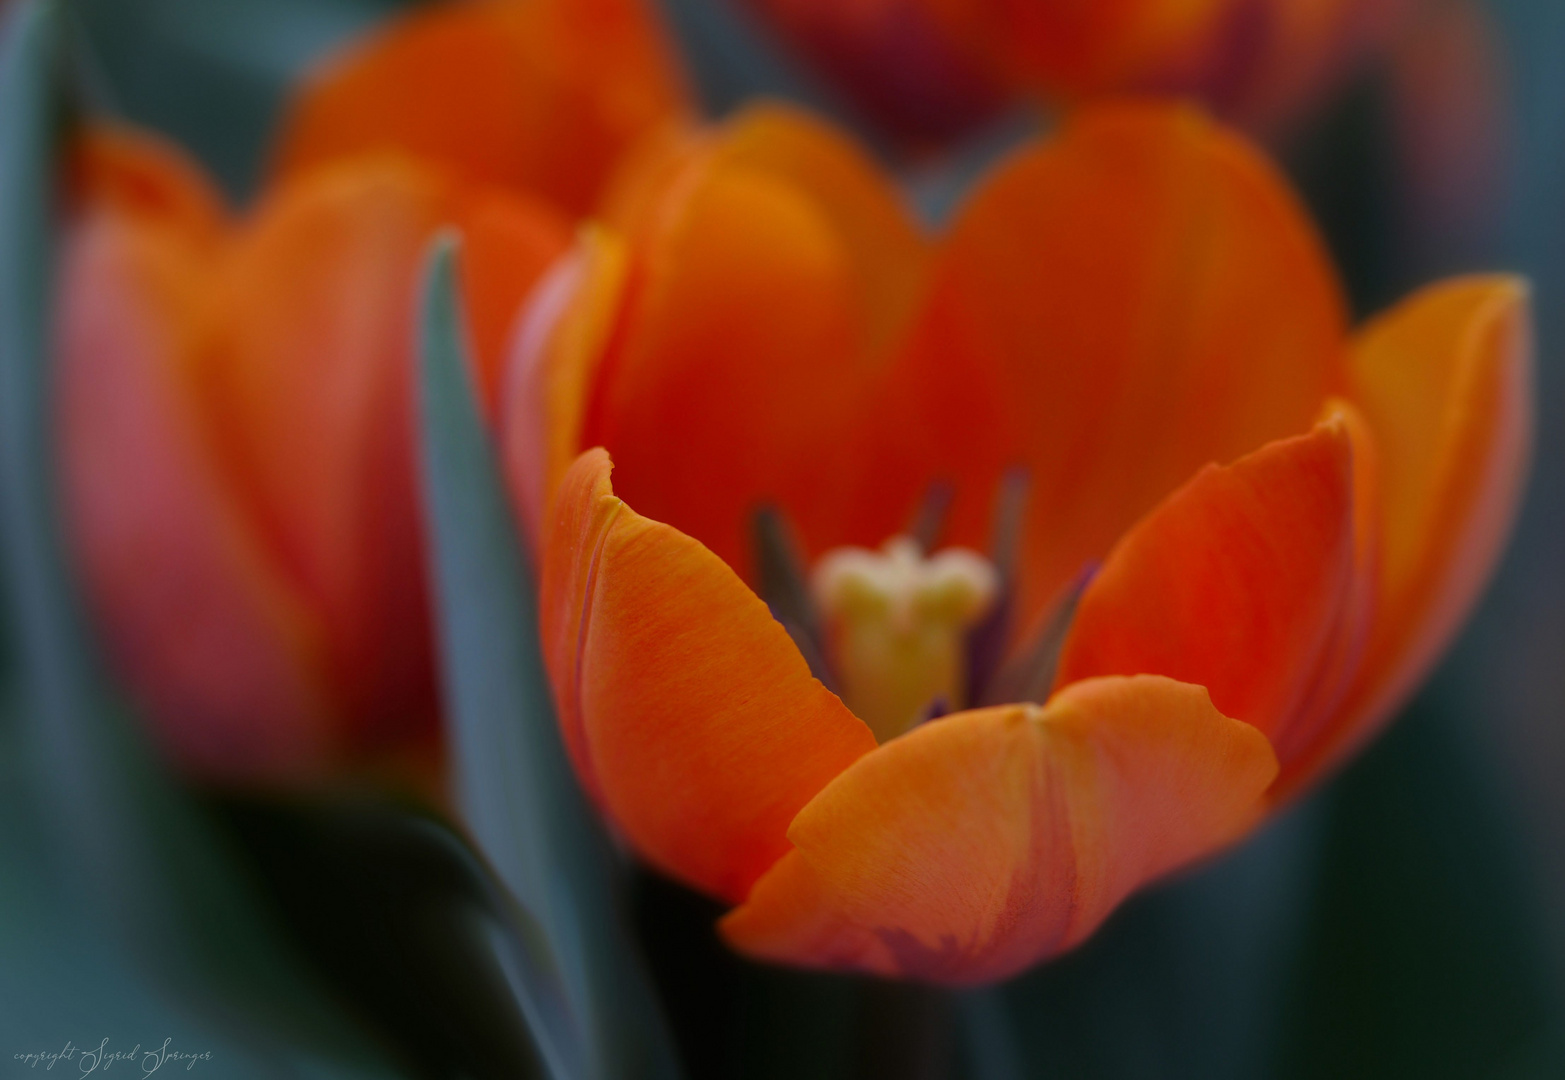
213	74
514	781
410	925
1421	954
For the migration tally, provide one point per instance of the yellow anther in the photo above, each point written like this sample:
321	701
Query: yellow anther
898	623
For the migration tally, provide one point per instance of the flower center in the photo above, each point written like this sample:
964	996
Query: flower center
897	626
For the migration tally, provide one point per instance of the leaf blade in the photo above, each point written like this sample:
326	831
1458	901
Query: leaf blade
516	786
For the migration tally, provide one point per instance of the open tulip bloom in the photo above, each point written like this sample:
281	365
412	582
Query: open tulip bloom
946	592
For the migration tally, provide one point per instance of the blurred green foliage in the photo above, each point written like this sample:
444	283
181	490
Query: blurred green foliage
1421	952
211	74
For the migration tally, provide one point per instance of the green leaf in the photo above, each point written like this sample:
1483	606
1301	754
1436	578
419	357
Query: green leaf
64	977
410	926
213	75
517	792
145	851
1422	955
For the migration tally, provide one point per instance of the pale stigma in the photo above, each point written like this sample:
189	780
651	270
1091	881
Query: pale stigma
897	626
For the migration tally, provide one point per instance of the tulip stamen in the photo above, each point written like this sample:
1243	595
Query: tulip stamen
899	622
929	520
781	583
988	640
1029	675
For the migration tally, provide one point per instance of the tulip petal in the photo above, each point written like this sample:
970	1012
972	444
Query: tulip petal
567	581
1444	380
310	387
150	179
748	366
689	712
896	59
889	253
311	397
1114	309
541	96
986	841
549	373
206	627
1237	582
1343	655
508	242
1075	49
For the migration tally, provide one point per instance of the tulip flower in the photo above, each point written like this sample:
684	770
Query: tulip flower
236	440
1179	544
235	413
538	95
931	69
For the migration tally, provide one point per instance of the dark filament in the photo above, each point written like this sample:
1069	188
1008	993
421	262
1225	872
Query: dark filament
987	641
781	577
936	709
929	521
1029	675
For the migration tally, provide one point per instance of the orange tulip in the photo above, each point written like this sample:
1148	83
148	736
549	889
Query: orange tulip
1113	311
541	95
235	412
237	444
932	68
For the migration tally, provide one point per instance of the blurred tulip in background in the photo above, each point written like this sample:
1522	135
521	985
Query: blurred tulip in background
931	71
236	412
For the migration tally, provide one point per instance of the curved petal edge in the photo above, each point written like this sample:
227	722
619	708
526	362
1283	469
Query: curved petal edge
687	709
982	843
